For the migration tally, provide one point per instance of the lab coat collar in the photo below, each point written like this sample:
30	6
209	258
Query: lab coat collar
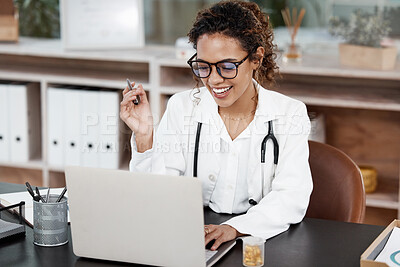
206	110
266	107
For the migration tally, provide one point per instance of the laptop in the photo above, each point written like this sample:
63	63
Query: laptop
138	218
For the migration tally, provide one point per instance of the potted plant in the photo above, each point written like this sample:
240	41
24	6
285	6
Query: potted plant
363	34
39	18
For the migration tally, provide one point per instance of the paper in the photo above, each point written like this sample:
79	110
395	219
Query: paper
390	254
14	198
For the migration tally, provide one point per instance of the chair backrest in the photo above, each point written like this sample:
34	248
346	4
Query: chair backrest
338	192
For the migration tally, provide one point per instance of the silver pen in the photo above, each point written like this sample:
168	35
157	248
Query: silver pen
137	100
48	195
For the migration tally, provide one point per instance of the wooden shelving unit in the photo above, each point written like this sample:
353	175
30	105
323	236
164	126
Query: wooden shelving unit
361	107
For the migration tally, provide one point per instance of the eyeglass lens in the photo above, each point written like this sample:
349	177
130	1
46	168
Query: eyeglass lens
225	69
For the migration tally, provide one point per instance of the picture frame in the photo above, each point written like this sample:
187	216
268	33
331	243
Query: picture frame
102	24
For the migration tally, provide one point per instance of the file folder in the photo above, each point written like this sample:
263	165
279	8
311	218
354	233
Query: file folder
4	124
109	130
55	118
25	122
90	128
72	119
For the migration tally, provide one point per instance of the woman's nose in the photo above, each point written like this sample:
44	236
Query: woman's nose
214	77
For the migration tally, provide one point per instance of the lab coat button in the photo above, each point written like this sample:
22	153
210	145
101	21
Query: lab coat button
211	177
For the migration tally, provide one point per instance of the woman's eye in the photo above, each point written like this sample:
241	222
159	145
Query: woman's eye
203	67
228	66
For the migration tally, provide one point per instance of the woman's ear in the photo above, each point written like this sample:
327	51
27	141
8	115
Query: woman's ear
258	57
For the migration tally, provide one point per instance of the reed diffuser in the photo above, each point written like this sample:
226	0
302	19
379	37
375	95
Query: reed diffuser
292	22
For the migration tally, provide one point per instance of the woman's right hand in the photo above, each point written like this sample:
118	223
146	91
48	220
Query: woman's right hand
138	117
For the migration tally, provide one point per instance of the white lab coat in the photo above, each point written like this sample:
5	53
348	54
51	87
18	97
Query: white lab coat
286	195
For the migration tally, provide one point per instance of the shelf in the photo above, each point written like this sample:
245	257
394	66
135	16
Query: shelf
386	195
56	168
34	164
54	48
343	95
327	64
91	73
176	77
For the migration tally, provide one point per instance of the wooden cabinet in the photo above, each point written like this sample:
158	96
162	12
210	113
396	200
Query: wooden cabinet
361	107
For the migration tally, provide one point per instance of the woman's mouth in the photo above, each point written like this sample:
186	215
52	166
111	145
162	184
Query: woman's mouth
221	92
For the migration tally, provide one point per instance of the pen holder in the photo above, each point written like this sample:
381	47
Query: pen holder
50	222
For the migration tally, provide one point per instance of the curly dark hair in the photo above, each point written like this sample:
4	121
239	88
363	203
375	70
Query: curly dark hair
245	22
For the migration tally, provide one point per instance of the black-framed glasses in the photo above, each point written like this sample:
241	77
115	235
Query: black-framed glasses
226	69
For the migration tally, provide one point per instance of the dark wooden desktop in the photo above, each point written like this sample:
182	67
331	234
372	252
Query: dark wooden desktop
313	242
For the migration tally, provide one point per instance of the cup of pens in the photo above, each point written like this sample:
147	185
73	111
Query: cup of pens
50	221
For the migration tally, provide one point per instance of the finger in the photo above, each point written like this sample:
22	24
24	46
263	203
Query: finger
208	228
142	93
212	227
213	234
221	239
139	91
218	236
128	98
127	89
127	103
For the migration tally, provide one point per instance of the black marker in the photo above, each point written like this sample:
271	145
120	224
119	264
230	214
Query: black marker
137	100
62	194
30	190
41	198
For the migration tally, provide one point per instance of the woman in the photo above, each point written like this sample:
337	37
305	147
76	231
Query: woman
234	48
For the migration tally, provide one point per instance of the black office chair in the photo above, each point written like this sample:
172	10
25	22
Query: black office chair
338	192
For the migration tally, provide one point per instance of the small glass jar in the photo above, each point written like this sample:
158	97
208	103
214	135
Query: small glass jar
253	251
292	53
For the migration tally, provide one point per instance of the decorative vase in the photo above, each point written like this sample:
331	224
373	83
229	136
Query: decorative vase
366	57
292	53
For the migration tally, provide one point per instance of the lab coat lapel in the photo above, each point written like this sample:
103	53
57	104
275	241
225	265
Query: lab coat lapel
266	111
206	112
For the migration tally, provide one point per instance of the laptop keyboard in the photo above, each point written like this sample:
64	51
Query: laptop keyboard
210	253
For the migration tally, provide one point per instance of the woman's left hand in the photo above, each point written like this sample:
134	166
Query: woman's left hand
221	233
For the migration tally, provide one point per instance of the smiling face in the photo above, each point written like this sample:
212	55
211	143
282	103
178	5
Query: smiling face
231	94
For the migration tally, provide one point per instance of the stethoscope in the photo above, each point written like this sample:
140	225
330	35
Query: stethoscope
270	135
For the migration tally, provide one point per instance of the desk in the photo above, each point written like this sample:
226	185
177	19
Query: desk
312	242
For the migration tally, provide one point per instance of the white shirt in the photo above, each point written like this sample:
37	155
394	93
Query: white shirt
230	194
231	171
